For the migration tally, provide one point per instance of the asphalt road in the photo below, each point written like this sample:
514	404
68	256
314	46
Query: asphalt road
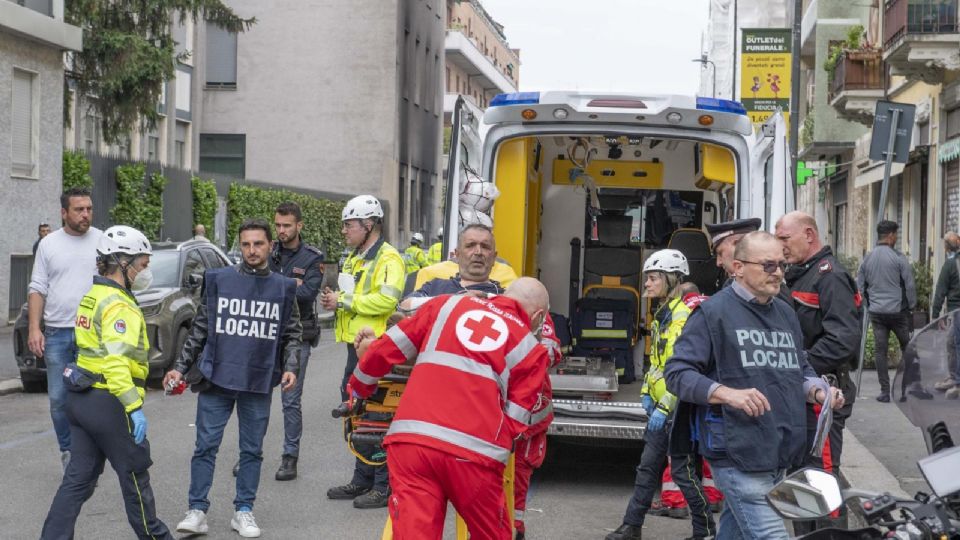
579	494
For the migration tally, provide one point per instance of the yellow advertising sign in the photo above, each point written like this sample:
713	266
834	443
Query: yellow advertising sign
765	72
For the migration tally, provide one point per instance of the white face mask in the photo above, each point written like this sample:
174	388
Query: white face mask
142	281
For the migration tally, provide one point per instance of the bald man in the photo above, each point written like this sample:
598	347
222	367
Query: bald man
479	372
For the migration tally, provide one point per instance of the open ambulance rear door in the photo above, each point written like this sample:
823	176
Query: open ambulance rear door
770	193
466	150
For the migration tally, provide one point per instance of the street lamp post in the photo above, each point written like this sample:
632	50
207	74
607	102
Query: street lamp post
703	64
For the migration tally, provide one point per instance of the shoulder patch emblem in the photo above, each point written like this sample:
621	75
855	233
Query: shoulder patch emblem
825	267
120	326
481	331
299	270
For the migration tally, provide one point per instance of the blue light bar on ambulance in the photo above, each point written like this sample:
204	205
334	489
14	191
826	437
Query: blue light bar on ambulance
720	105
516	98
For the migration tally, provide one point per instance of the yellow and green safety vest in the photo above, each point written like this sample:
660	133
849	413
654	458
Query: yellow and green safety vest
414	258
112	341
435	253
665	330
378	276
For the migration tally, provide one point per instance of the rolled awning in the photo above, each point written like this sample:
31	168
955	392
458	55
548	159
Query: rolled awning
949	150
874	173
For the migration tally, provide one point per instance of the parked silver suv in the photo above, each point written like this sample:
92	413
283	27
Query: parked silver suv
168	307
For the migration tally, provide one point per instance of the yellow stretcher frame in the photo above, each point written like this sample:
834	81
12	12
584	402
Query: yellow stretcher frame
462	533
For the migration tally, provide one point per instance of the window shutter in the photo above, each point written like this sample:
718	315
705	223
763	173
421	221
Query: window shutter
22	121
221	56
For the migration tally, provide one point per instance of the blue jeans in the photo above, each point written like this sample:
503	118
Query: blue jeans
60	348
292	412
214	408
746	514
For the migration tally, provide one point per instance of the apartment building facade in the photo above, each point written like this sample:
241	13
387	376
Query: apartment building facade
33	37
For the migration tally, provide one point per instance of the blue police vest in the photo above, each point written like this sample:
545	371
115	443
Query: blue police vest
755	346
247	315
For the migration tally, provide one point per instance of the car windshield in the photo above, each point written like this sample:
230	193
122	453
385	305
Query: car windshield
165	266
929	358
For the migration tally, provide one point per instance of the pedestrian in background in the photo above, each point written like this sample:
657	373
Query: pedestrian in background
948	290
413	257
106	390
724	238
65	263
199	232
245	339
740	363
42	231
377	273
886	281
435	253
296	259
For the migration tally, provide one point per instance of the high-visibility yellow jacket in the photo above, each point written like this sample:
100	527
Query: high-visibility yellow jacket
112	341
435	253
501	273
666	328
378	277
414	258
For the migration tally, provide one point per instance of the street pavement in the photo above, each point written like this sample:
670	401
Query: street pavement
580	492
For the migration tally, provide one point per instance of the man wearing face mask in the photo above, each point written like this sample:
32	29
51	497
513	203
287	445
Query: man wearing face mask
480	371
104	404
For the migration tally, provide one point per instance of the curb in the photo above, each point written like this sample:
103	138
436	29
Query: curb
10	386
862	470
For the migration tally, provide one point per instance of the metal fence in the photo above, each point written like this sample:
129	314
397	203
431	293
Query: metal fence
177	196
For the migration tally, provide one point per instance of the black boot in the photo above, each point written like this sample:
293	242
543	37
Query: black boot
625	532
288	468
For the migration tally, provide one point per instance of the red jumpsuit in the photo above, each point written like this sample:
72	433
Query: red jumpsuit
478	376
532	447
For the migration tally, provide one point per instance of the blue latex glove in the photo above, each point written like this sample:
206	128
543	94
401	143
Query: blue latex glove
657	420
648	404
139	426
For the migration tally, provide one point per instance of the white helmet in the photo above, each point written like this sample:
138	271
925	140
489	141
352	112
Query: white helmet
123	239
667	260
417	237
362	207
440	232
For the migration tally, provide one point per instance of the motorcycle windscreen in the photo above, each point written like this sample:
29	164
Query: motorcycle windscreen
929	358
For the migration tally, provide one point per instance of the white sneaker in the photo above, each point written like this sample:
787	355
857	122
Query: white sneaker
245	525
194	523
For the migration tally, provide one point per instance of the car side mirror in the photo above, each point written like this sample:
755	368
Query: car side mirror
806	494
194	281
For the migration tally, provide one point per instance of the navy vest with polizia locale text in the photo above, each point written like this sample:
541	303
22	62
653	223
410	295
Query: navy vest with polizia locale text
247	314
755	346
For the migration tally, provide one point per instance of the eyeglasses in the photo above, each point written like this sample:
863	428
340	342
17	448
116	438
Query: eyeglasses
769	267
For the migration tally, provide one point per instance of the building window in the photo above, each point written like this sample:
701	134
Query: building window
221	57
153	147
184	82
91	133
840	231
180	145
953	123
25	120
40	6
223	154
179	35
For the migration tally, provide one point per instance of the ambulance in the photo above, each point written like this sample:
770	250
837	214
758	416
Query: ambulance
590	185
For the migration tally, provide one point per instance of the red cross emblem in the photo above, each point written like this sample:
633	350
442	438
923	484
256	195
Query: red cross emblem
481	331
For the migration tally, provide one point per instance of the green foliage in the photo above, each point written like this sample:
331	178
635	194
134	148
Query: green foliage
806	130
128	53
893	350
850	262
204	202
321	217
853	42
923	278
139	201
76	170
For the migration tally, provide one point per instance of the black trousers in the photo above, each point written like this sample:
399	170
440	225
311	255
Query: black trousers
99	431
368	476
649	474
883	324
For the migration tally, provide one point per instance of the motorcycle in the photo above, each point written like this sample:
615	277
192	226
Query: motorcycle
812	494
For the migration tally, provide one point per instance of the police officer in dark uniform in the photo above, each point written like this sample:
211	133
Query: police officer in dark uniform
294	258
828	305
723	239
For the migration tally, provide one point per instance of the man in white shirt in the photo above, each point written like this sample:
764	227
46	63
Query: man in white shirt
63	270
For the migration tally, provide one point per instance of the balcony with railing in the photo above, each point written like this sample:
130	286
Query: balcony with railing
858	82
921	38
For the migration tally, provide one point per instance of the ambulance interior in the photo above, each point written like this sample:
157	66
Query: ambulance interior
582	214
